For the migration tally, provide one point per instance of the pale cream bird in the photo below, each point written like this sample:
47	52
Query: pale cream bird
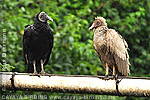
111	48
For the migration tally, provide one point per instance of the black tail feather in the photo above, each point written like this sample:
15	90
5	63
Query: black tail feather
30	68
38	66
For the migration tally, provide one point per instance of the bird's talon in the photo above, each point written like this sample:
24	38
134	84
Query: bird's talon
34	74
106	78
113	76
30	74
42	73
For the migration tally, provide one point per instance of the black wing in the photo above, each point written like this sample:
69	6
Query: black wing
26	40
51	46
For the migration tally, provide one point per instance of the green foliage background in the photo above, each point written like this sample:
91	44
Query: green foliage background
73	51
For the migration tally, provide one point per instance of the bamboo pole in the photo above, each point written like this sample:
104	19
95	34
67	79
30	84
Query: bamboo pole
76	84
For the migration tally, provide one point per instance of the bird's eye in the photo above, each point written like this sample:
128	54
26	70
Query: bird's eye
97	22
42	16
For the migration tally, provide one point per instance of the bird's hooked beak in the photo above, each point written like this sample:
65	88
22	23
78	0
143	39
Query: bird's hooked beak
50	19
93	25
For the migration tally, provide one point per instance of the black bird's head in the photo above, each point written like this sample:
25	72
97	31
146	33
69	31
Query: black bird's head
43	17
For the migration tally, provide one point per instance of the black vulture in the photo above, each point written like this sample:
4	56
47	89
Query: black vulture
37	43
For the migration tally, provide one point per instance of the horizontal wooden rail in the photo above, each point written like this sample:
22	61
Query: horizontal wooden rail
123	86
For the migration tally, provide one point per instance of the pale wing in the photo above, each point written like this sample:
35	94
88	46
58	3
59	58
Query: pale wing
100	48
118	46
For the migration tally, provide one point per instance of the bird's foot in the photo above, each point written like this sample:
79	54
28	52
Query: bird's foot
43	73
106	77
115	77
34	74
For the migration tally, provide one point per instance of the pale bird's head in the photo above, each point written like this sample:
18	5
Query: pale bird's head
43	17
99	21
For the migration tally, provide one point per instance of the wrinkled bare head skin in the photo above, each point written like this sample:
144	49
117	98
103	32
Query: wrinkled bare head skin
99	21
43	17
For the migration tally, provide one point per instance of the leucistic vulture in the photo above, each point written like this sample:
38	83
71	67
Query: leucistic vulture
38	43
111	48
